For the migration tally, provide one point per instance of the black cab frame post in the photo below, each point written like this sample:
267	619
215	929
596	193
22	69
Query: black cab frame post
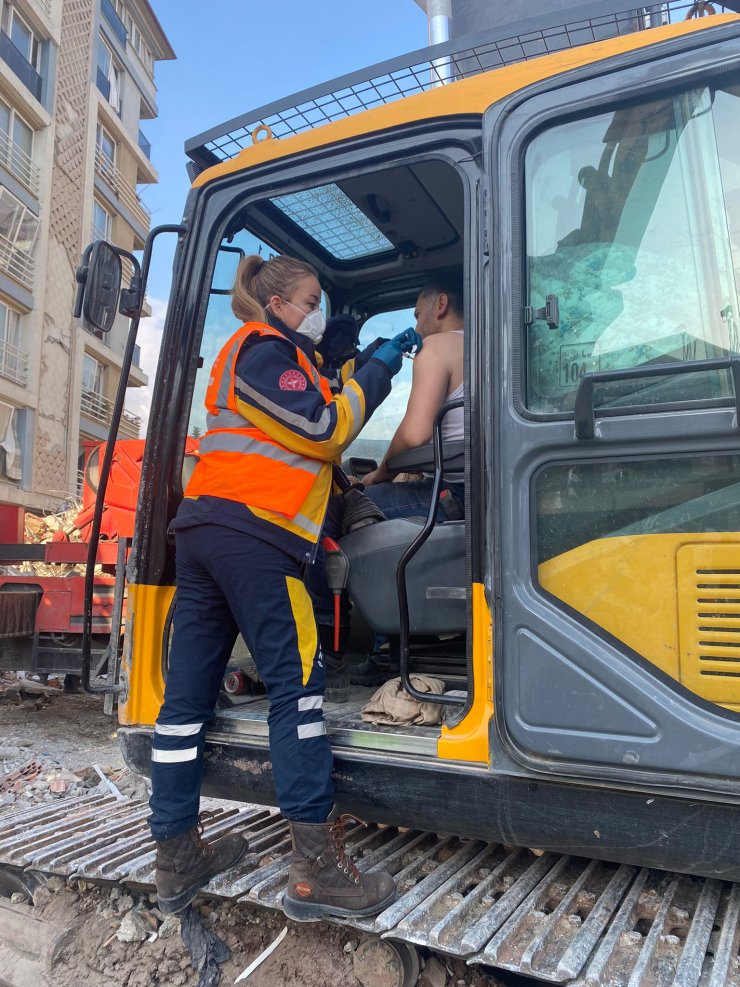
141	273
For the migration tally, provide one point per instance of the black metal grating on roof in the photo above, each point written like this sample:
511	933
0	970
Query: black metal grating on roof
422	70
332	219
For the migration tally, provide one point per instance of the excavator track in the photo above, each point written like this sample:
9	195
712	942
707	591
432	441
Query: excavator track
562	919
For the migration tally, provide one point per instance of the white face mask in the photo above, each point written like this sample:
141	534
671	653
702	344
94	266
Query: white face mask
313	324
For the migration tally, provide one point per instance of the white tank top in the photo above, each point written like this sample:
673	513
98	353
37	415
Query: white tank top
453	425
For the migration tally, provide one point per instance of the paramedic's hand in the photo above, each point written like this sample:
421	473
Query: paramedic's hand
391	353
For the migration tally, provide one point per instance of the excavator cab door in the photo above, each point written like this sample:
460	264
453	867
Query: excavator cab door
613	285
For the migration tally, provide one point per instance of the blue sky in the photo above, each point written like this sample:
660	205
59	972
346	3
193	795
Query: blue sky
234	56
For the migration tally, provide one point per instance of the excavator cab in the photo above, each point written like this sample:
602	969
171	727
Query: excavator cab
586	609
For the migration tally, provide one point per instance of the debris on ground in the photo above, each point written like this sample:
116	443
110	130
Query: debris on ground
434	974
264	954
18	779
91	953
58	748
68	738
207	951
25	689
137	925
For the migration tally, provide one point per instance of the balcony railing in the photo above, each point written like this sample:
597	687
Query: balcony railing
123	189
20	65
145	146
13	363
17	263
100	409
119	28
15	159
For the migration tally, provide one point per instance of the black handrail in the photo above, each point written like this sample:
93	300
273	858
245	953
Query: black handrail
416	544
141	273
584	404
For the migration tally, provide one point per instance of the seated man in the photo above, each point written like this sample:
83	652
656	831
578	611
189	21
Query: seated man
437	378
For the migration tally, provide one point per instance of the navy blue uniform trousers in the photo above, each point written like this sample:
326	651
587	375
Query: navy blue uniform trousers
230	581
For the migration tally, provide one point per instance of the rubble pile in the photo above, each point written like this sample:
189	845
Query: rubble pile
27	781
40	530
118	935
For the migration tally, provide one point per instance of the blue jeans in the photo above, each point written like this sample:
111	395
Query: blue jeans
395	500
228	582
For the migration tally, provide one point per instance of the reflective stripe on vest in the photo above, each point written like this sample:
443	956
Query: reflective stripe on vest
240	462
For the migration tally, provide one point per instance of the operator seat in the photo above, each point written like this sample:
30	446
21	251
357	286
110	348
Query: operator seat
435	577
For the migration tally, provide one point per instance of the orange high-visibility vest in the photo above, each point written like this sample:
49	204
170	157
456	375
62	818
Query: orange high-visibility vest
239	461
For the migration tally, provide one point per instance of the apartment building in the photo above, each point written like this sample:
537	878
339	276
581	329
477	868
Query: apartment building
76	89
29	44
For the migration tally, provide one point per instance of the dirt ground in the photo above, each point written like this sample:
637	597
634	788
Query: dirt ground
68	734
310	956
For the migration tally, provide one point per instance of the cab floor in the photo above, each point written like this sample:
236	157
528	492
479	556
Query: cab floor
247	716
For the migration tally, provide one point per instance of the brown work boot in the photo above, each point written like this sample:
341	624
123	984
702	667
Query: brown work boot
323	880
186	863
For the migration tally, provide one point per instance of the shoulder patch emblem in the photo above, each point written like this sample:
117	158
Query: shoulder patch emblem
292	380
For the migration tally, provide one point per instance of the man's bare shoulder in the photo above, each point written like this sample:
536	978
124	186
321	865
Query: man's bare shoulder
443	347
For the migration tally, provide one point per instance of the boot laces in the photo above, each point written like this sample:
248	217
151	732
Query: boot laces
203	845
336	831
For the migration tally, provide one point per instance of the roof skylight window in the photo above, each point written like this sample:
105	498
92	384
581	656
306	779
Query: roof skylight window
332	219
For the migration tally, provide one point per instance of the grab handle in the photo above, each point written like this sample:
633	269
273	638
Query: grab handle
584	406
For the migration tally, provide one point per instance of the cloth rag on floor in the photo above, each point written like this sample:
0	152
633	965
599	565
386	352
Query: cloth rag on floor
392	705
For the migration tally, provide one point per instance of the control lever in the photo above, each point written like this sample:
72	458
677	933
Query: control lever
336	567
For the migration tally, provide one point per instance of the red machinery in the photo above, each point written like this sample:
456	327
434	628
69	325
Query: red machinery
41	613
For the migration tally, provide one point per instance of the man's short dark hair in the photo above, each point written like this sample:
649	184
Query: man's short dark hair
449	284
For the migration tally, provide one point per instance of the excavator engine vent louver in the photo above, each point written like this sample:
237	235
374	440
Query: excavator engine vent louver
708	579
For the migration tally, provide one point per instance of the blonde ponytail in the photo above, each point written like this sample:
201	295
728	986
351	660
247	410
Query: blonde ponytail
257	280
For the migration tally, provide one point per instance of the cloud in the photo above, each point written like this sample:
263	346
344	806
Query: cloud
139	399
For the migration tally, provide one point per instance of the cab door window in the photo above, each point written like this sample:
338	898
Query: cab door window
633	223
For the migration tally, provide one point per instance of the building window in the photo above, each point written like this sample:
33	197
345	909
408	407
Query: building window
106	145
13	359
148	60
16	146
10	453
18	225
102	222
18	229
22	36
132	29
109	76
93	376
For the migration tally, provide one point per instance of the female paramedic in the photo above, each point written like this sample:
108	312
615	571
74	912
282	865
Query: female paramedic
251	517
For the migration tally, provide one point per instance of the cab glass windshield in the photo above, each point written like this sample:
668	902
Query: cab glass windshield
633	224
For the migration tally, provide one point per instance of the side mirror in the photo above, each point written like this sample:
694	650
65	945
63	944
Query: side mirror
103	284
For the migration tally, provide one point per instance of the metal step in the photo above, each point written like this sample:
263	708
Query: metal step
559	918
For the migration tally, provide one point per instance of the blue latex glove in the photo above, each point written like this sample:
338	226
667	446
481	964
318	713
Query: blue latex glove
391	353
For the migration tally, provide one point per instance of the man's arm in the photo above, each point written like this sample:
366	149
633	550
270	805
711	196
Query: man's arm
429	387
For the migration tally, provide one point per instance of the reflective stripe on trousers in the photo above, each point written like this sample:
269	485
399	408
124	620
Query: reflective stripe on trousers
228	581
